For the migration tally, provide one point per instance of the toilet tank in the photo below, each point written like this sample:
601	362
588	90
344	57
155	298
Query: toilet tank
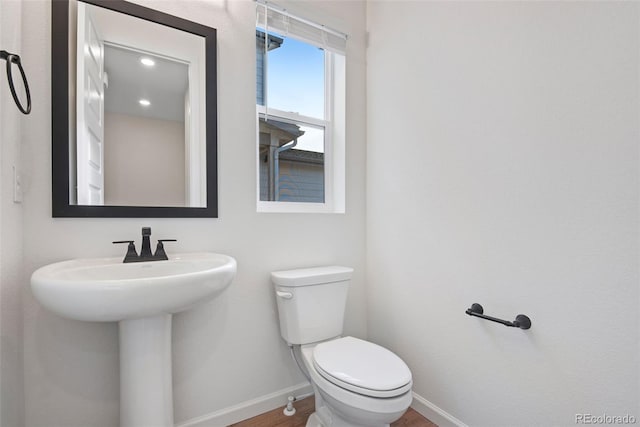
311	302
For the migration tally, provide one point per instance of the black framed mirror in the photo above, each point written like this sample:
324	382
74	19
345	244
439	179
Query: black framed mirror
134	112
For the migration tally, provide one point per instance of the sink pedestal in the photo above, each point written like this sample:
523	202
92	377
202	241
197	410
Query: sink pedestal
146	396
141	297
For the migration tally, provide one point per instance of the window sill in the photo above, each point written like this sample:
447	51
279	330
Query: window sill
296	207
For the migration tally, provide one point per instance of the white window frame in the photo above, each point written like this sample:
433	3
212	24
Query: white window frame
334	142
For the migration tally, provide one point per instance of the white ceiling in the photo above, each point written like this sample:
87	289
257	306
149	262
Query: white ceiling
164	85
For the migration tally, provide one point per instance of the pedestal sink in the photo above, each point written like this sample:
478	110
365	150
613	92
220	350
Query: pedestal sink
141	297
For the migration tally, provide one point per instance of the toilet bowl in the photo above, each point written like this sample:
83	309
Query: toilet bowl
356	383
357	387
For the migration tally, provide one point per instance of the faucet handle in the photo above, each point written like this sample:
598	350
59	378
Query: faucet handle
131	250
160	253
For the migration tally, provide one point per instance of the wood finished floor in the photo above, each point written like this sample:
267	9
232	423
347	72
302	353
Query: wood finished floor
305	407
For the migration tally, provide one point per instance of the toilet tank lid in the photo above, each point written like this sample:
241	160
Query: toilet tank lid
311	276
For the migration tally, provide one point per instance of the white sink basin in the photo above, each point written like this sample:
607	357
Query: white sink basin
141	297
107	290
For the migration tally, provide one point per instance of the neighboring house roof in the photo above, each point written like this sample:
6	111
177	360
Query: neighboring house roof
284	132
302	156
288	128
274	41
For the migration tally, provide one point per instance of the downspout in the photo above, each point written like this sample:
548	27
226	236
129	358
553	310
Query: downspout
276	166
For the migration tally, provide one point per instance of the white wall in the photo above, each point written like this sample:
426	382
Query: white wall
226	351
11	268
502	168
143	161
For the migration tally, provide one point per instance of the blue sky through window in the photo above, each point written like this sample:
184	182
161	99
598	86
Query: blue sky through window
295	83
296	78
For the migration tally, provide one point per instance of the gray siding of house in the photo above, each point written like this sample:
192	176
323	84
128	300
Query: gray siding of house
299	181
259	71
264	177
274	43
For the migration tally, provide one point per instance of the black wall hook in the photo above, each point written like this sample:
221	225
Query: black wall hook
522	321
12	58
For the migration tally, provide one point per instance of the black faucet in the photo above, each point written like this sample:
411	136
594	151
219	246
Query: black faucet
145	252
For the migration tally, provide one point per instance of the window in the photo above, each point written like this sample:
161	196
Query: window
300	102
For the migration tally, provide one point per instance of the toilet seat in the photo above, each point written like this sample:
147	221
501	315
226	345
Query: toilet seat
362	367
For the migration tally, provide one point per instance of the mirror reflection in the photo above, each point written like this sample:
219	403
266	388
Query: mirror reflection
139	119
144	102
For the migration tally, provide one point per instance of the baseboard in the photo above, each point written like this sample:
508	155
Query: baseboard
266	403
434	413
248	409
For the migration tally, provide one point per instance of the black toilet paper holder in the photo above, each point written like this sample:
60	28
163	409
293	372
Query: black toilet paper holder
522	321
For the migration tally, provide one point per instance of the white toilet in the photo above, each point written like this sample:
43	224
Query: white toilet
356	383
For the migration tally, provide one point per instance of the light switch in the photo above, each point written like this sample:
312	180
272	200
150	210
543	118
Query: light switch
17	186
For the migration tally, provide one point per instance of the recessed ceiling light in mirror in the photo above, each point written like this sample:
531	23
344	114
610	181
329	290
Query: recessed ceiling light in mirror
144	102
148	62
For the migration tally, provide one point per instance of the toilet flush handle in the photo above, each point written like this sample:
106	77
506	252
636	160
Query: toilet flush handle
284	295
